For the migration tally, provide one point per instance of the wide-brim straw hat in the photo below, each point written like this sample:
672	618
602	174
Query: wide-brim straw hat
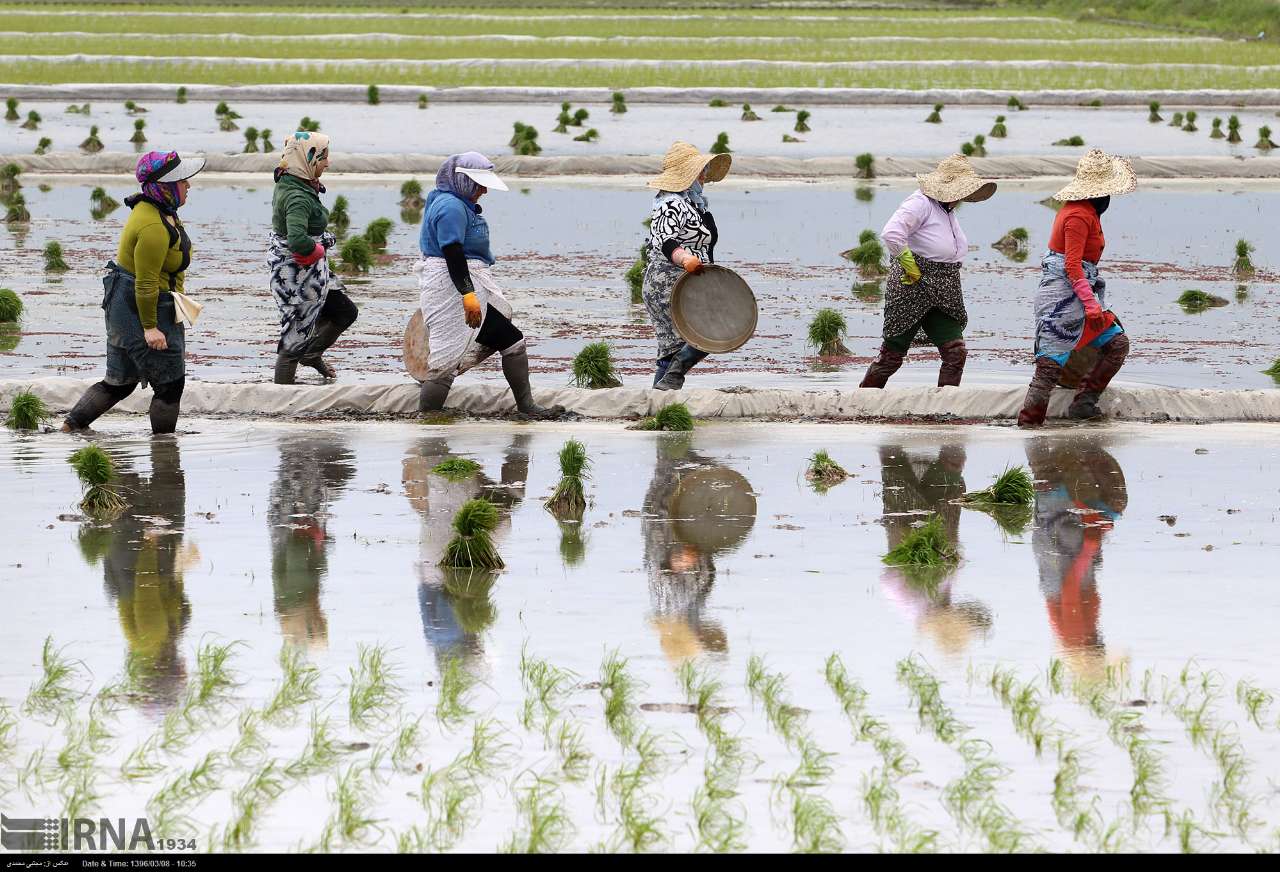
955	180
683	163
1099	174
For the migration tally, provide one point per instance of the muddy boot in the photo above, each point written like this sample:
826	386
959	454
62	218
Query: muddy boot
663	364
1036	404
433	392
953	355
95	402
515	366
327	333
1110	358
673	379
286	369
887	362
165	405
1085	407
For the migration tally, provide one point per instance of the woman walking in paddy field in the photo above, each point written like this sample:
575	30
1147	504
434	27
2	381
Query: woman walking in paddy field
1070	304
314	307
923	292
145	337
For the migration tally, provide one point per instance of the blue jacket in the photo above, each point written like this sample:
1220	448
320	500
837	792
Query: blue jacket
448	219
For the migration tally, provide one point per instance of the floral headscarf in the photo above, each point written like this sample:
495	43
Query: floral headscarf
302	152
163	194
448	179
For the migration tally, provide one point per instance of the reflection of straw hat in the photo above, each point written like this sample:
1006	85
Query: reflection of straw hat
683	163
1099	174
955	180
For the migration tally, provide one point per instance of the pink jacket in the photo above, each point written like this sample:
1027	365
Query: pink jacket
930	231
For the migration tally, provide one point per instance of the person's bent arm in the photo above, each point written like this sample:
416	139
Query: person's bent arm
306	250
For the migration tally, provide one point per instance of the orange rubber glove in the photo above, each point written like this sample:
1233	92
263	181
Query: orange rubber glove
472	308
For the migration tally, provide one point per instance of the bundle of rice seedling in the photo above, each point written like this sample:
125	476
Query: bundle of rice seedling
26	412
868	255
138	137
411	195
926	545
802	121
1012	242
472	544
422	101
377	232
1273	370
53	261
823	472
1176	120
635	274
998	130
590	135
826	332
1071	140
92	143
42	147
781	108
1094	104
787	137
456	468
1216	132
133	108
1243	265
10	306
1013	487
593	367
9	179
979	145
935	117
306	125
1233	129
82	109
967	149
371	94
339	220
11	109
579	116
525	140
182	94
866	165
1153	112
672	418
17	212
250	140
97	473
619	105
1195	301
748	114
717	103
568	497
265	134
721	145
33	121
1015	103
1190	125
868	292
357	255
1264	139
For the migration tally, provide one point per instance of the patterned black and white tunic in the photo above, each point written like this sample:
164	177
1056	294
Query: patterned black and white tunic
676	223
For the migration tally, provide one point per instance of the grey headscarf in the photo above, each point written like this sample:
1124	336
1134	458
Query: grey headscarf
457	183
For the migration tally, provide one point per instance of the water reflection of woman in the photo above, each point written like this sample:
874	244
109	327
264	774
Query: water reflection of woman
694	509
456	604
1082	495
914	487
143	560
313	472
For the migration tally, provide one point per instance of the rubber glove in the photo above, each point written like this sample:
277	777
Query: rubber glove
910	270
1094	317
692	264
308	259
472	308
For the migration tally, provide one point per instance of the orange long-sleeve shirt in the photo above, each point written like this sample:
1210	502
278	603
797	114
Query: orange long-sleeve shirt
1077	235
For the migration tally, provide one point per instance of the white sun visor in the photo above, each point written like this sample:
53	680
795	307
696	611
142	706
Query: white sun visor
488	178
187	167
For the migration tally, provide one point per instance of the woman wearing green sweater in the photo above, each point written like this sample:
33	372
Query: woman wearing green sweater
314	307
145	339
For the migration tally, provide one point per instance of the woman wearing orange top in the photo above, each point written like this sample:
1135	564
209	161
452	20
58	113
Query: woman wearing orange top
1070	304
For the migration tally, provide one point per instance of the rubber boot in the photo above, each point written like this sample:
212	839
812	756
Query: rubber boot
515	366
327	333
686	358
286	369
953	355
433	392
1036	405
1110	358
663	364
164	416
94	403
887	362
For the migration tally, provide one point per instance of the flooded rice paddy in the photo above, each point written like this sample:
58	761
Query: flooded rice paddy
263	652
564	246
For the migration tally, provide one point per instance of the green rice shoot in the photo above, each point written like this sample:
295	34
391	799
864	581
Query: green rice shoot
926	545
826	331
935	117
377	232
1013	487
10	306
26	412
866	166
593	367
1153	112
823	472
456	468
672	418
357	255
53	260
472	544
1195	300
999	130
721	145
97	473
1243	265
1273	370
568	497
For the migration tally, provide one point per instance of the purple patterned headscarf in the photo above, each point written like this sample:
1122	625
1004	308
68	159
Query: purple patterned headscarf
457	183
163	193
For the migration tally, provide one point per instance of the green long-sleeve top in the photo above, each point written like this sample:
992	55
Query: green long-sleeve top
156	253
297	213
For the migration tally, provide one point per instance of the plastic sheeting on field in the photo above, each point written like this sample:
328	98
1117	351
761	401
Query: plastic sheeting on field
966	403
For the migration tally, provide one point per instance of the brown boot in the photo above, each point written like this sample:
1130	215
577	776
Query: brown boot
1036	405
953	355
887	362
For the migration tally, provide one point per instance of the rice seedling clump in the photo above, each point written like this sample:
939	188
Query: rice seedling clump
1176	120
371	94
1243	265
672	418
1013	243
593	367
1013	487
97	472
422	101
1264	139
1233	129
823	472
53	261
101	200
926	545
182	94
17	212
1015	103
43	146
357	255
9	178
1190	125
26	412
1273	370
1071	140
748	114
589	135
250	140
935	117
619	105
1196	300
11	109
472	544
868	255
10	306
721	145
411	195
456	468
307	124
33	121
866	166
1153	112
568	496
339	219
826	331
802	121
377	232
998	130
92	143
139	137
1216	132
524	141
717	103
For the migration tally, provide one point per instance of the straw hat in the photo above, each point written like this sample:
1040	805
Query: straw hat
683	163
1099	174
955	180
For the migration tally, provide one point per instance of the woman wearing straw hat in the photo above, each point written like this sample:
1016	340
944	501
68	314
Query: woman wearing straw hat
923	292
465	314
1070	304
146	339
682	237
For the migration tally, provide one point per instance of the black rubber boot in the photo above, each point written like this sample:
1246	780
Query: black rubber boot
663	364
515	366
433	392
165	406
94	403
286	369
686	358
327	333
1085	406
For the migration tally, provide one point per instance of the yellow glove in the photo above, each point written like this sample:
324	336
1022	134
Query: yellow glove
910	271
471	306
